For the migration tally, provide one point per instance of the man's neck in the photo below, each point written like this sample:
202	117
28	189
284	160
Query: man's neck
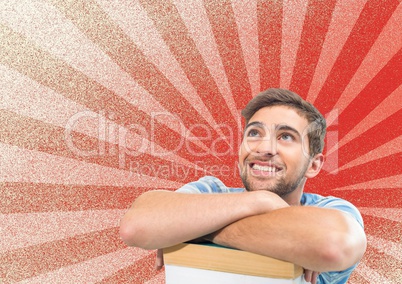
293	198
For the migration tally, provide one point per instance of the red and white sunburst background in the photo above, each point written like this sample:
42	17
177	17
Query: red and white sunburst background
104	100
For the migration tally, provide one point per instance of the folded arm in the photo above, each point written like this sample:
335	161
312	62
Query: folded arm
159	219
317	239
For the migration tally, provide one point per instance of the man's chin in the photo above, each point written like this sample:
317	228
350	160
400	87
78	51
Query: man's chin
256	186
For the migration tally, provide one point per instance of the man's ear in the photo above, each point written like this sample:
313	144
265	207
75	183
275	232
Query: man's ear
315	165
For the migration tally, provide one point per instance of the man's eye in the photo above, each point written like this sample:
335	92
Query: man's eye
253	133
286	137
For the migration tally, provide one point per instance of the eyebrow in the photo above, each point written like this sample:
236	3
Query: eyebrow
258	124
288	128
278	127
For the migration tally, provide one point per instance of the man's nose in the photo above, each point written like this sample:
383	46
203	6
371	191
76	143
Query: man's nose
267	146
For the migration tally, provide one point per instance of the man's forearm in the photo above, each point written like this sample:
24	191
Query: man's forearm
159	219
315	238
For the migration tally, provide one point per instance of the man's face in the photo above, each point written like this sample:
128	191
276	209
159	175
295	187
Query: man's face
274	153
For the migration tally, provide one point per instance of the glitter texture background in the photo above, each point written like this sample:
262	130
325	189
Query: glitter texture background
97	99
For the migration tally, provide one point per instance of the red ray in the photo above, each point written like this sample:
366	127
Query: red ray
29	229
344	17
356	278
31	261
393	249
388	43
92	270
383	228
392	147
224	27
76	86
392	214
383	264
36	135
387	81
170	25
140	272
124	52
373	138
270	41
387	182
23	197
390	197
294	13
40	167
381	168
316	23
386	108
374	16
247	21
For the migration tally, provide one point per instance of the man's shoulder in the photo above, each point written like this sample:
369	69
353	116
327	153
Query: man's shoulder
312	199
208	184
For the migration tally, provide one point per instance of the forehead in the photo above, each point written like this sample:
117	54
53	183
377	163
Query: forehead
280	115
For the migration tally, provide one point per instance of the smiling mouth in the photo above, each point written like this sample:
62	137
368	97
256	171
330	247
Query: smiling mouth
264	169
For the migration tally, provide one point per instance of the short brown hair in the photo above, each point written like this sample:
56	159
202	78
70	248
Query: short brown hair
274	97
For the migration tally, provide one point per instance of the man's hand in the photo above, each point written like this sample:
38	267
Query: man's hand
159	259
311	276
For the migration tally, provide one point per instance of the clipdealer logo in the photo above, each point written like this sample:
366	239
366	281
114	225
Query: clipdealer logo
133	140
127	142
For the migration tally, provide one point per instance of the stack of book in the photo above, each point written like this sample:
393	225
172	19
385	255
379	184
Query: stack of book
208	263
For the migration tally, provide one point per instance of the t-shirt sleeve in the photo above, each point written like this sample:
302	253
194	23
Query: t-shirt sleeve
208	184
342	205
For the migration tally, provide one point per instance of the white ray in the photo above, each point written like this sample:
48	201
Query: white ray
55	30
92	270
34	100
345	15
388	43
26	229
388	247
247	23
386	108
292	26
41	103
157	279
21	165
371	275
390	148
134	21
393	214
195	18
387	182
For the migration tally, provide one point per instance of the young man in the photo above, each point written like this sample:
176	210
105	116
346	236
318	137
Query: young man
281	148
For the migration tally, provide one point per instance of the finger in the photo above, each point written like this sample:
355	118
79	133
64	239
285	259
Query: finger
314	277
159	259
307	275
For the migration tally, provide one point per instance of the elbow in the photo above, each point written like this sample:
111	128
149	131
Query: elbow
333	258
133	234
343	252
127	234
135	230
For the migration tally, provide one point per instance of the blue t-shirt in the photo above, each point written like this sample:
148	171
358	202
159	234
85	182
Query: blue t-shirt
211	184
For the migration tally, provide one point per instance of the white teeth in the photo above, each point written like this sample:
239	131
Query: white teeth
264	168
